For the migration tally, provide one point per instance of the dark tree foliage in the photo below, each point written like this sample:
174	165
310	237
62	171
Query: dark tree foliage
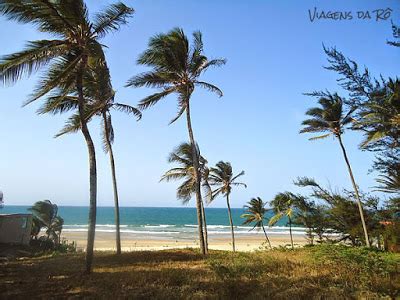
336	219
312	217
396	36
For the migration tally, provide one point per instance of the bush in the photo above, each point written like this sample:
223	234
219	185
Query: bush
368	260
45	245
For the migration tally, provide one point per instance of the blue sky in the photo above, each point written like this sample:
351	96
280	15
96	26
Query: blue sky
274	55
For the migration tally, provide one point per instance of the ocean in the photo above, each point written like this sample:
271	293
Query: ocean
159	222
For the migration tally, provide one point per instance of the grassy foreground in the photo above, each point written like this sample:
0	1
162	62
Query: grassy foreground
312	272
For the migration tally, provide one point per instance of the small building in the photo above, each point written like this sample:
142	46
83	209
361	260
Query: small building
15	229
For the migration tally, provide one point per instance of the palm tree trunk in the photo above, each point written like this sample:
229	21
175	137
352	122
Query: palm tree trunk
203	211
92	170
290	231
231	222
198	179
266	236
360	208
115	187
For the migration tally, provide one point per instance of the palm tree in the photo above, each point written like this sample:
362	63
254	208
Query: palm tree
176	67
76	48
283	205
255	213
222	178
331	119
182	155
100	98
45	214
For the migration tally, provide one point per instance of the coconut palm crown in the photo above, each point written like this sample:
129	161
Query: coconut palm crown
182	155
283	204
221	177
255	214
176	68
329	118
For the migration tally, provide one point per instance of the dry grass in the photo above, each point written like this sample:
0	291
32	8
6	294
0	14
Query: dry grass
185	274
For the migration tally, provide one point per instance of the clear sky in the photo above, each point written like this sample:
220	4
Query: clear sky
274	55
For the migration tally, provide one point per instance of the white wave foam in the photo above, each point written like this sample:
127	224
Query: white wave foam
124	231
97	225
158	226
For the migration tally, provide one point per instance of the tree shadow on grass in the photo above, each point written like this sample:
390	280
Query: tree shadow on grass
110	260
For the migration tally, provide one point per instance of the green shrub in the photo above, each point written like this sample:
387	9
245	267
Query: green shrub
363	259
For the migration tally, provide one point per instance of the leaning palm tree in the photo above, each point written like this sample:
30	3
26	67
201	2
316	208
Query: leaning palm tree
45	215
182	155
331	120
75	48
283	205
176	67
255	213
100	98
222	178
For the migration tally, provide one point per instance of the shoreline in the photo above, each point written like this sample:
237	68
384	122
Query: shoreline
105	241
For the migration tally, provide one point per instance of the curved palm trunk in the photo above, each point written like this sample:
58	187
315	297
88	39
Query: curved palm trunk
266	236
92	172
115	188
290	231
203	211
360	208
230	222
198	179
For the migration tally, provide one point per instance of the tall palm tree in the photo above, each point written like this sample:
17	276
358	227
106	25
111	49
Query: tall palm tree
331	120
283	205
176	67
255	213
76	47
182	155
221	177
100	98
45	214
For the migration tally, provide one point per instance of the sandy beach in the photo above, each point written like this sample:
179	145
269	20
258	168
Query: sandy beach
105	241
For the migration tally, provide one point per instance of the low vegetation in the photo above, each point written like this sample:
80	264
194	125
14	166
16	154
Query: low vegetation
324	271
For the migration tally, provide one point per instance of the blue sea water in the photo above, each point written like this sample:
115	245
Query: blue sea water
171	222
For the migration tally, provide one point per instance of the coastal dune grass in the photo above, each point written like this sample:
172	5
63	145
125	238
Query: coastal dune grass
325	271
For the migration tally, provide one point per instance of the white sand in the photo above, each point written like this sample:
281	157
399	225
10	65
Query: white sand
105	241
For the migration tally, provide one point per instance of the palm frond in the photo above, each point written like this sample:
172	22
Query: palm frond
107	133
320	137
274	219
153	79
178	115
72	125
210	87
58	72
36	55
58	104
128	109
153	99
111	19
